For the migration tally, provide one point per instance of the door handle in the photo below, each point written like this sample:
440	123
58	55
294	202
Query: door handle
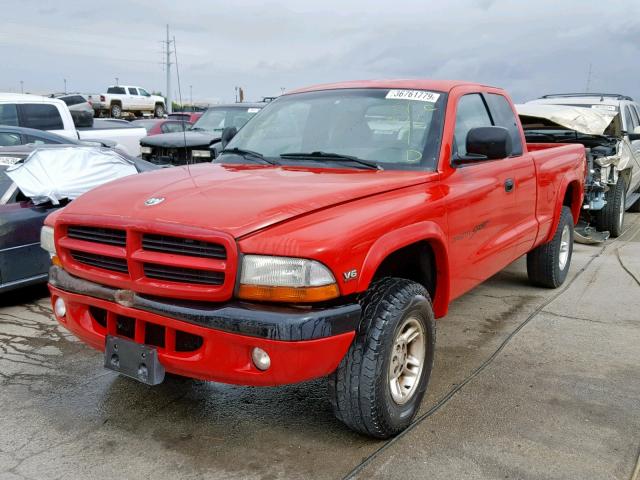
509	185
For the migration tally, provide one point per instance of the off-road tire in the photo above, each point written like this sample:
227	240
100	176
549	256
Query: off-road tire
158	111
610	217
359	389
543	262
116	111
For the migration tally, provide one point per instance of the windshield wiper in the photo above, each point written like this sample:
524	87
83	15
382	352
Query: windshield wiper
331	156
249	155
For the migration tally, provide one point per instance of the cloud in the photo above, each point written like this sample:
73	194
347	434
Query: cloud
529	48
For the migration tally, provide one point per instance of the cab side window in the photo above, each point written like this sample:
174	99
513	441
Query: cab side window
471	113
503	116
628	120
133	91
42	116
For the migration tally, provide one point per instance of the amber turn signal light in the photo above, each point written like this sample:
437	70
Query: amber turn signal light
288	294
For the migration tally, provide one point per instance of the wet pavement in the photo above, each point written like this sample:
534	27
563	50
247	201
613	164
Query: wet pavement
528	383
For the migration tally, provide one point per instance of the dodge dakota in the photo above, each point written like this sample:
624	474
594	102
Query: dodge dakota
326	238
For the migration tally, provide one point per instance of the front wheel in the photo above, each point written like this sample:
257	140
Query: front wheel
378	386
159	111
548	264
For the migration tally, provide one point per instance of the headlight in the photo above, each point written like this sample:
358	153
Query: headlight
46	240
285	279
201	153
146	150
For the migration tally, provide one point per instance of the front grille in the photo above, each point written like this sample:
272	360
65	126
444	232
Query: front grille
100	261
172	156
183	246
107	236
183	275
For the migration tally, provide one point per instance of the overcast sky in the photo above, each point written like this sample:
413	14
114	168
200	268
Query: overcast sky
527	47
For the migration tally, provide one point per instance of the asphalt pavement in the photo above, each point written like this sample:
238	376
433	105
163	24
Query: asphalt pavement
528	383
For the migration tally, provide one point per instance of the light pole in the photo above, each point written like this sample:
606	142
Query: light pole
65	85
21	86
191	96
116	81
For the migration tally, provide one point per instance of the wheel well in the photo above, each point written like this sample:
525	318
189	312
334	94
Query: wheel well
414	262
572	199
116	102
160	104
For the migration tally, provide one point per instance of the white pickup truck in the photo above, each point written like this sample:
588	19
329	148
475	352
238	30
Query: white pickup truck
53	115
126	98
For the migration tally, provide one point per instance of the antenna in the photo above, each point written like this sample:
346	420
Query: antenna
184	133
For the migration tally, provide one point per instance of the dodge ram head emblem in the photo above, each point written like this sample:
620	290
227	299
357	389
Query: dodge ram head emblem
150	202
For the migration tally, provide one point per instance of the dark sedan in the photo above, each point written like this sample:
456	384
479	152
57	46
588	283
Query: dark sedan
22	261
194	145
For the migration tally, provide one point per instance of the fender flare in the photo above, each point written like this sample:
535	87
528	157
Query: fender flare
394	240
569	178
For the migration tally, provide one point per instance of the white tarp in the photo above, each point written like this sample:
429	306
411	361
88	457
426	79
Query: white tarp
590	121
53	174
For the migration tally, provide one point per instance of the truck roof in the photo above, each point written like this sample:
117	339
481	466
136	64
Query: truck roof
27	98
410	83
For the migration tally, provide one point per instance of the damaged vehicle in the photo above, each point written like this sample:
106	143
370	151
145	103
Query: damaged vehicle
27	174
608	125
195	144
612	181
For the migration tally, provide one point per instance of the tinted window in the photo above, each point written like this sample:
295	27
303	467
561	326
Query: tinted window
143	92
116	90
8	114
503	116
471	113
9	139
133	91
41	116
170	127
73	100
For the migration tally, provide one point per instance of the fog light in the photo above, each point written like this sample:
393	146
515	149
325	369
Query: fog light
260	358
59	307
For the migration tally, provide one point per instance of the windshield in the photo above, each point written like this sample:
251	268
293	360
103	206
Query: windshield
395	129
218	118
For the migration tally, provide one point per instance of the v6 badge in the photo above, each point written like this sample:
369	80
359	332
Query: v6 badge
350	275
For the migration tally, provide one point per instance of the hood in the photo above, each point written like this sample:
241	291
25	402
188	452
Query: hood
236	199
589	121
178	139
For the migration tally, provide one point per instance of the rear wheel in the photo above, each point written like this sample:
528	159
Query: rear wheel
611	217
548	264
378	387
116	111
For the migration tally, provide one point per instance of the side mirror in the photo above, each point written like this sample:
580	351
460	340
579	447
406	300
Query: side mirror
486	143
227	134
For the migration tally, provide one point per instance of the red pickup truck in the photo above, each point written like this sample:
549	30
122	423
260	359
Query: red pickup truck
324	240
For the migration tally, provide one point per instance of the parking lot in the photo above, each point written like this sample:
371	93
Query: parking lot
528	383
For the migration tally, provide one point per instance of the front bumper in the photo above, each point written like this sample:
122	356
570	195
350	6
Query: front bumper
211	342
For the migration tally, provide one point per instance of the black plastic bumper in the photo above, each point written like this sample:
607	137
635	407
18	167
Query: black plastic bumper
256	320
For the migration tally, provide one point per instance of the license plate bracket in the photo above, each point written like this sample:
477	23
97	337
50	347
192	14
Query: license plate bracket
133	360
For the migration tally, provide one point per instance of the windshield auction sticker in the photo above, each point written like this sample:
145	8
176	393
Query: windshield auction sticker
418	95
